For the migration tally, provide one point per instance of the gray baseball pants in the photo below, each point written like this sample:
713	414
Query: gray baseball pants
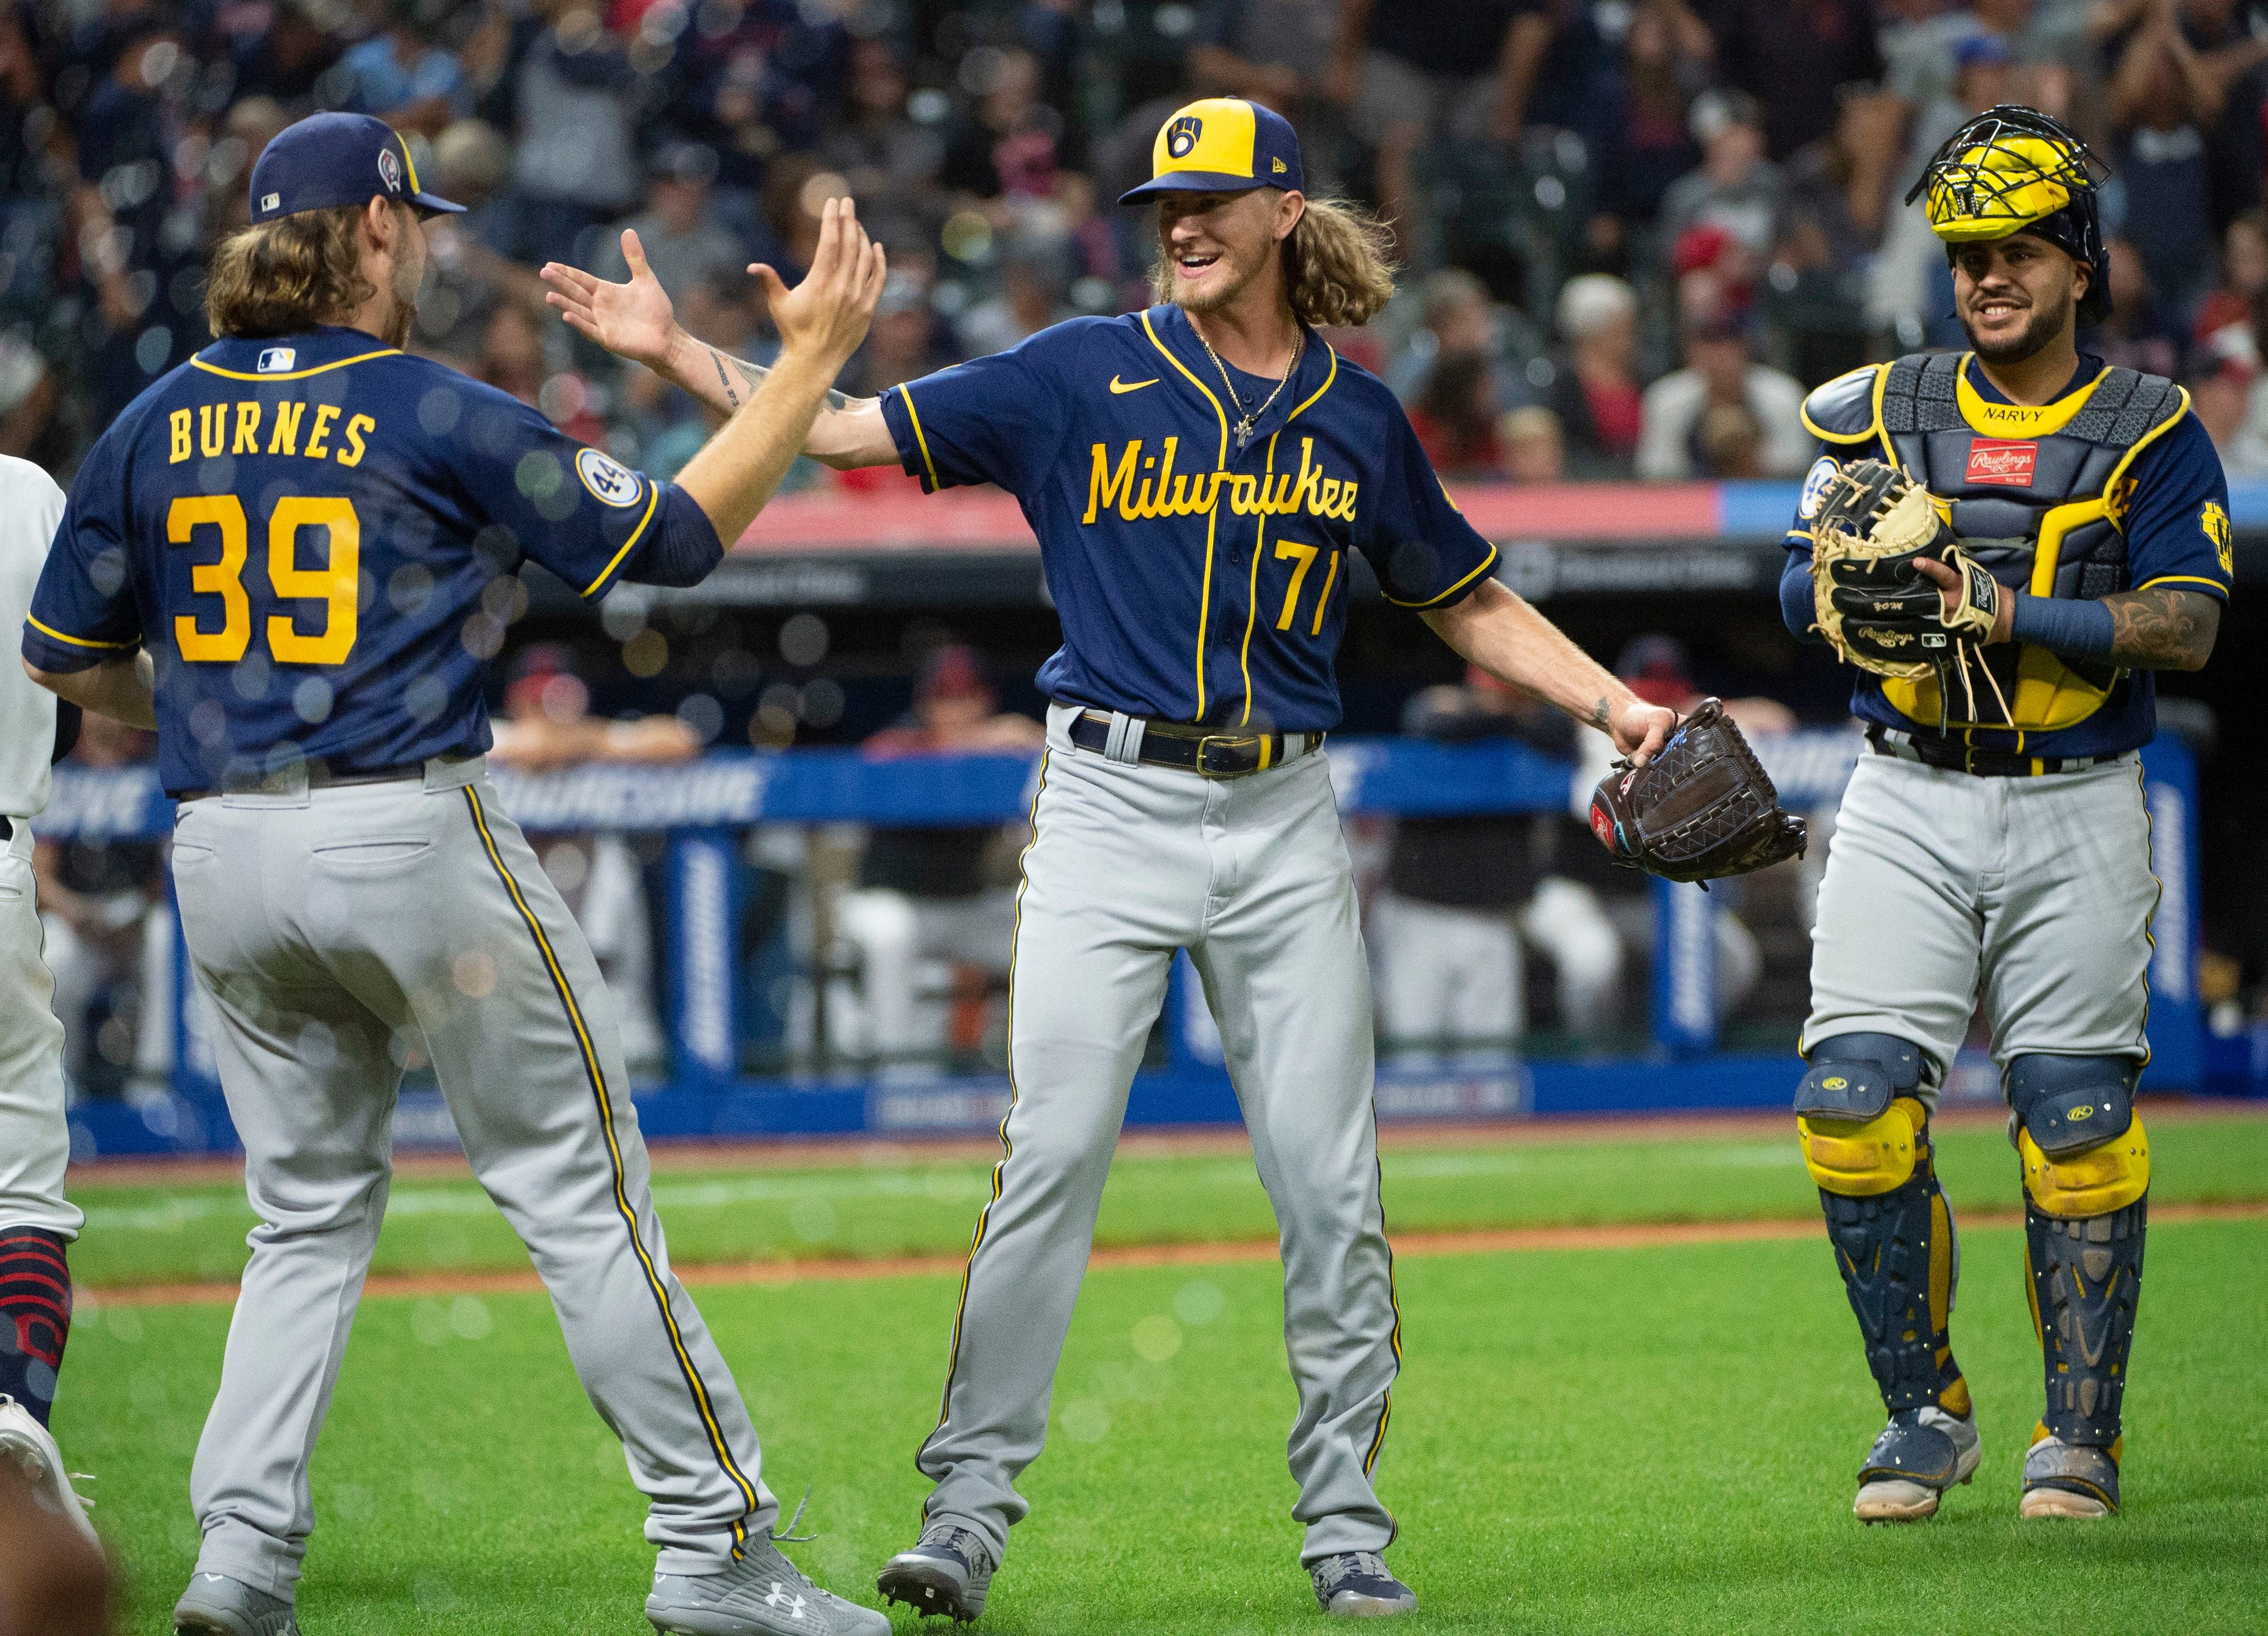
1129	863
2033	893
332	929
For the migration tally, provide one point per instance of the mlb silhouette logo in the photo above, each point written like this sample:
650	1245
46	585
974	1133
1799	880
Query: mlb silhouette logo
270	201
389	170
274	361
1181	135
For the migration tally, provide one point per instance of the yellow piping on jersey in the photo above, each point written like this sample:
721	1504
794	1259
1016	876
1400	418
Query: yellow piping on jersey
919	438
1212	516
1487	562
76	641
360	357
653	499
2183	579
1252	592
1320	390
598	1078
1323	602
1008	1147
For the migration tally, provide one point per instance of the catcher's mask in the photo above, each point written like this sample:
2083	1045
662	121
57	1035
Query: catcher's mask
2014	170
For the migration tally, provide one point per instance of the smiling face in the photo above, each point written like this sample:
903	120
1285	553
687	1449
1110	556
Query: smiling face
2014	296
1215	246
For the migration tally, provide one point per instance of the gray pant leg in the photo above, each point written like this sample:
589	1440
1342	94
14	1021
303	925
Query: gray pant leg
1095	935
34	1135
2067	932
1282	964
531	1062
310	1089
1895	945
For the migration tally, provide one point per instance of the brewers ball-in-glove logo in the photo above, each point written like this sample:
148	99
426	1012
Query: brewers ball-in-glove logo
613	482
2214	521
1181	135
389	170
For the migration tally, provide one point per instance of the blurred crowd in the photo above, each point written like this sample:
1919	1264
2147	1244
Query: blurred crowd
1633	230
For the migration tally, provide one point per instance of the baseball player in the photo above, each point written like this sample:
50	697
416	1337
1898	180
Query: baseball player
36	1220
1994	845
314	537
1198	476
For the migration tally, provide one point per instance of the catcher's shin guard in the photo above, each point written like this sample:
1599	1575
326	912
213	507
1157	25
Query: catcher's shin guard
1866	1142
2087	1178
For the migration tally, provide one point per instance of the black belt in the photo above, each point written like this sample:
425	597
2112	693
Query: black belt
315	778
1192	749
1951	754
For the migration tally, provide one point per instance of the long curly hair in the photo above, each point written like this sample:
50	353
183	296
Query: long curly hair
1338	265
285	276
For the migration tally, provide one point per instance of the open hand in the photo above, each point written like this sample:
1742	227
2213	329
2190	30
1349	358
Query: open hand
826	316
633	320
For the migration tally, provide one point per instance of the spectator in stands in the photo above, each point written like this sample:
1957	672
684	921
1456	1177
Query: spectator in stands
2224	321
285	60
906	341
1680	442
1031	298
1794	57
1462	892
29	429
1280	52
889	160
1003	150
466	278
1737	190
1410	74
1594	388
513	359
1458	316
1925	58
546	726
1665	56
678	230
926	894
1837	202
567	90
1535	446
404	75
2135	335
2218	390
1455	419
109	924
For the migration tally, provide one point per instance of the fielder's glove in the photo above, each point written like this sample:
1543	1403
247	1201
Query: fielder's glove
1702	807
1879	611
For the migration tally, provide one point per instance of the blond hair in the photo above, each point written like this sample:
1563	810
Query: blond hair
287	275
1338	266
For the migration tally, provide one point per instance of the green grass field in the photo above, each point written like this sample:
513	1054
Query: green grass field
1657	1439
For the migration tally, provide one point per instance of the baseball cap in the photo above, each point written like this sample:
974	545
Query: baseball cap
1222	144
331	160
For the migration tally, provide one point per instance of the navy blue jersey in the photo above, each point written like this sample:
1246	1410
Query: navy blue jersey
316	539
1198	581
2173	511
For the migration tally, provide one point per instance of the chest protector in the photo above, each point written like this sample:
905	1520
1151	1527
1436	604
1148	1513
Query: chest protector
2037	495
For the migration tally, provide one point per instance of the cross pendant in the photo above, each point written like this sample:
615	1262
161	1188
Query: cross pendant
1244	431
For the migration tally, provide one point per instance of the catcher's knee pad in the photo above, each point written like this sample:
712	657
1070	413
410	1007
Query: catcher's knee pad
2087	1178
1865	1142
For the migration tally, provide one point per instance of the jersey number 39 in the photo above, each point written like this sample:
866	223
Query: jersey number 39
334	585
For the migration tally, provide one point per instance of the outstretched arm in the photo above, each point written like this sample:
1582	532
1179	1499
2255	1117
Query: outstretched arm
635	320
1499	631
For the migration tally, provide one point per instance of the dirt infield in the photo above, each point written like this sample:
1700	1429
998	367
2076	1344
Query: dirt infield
1604	1236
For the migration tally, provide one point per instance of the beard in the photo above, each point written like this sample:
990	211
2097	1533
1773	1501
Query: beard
1243	268
2041	327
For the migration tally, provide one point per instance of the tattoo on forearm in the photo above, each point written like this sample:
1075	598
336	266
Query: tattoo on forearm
1601	718
725	377
754	375
2164	627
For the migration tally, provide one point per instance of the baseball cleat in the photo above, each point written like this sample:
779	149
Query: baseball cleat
763	1594
31	1448
1357	1584
1921	1453
216	1605
948	1572
2068	1479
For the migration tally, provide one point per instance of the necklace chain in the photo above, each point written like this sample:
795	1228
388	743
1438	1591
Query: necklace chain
1245	424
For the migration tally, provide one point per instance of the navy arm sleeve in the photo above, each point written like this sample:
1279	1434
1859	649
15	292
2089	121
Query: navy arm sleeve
992	419
1425	554
83	612
576	509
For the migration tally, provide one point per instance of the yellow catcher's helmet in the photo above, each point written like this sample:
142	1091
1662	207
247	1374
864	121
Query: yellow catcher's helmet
2014	170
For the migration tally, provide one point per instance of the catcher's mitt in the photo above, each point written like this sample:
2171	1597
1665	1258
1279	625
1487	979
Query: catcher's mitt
1702	807
1873	605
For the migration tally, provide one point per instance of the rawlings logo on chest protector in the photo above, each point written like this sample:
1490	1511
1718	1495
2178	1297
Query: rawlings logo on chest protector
2002	461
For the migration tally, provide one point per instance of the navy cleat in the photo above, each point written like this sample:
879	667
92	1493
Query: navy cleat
2068	1479
216	1605
1921	1453
1356	1585
947	1571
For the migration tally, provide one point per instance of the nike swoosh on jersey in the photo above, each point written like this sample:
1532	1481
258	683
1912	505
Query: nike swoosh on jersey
1121	387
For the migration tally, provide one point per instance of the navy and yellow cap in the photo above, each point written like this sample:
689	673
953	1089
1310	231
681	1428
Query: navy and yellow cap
330	159
1222	144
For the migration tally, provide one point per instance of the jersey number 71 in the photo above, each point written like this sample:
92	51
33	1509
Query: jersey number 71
335	583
